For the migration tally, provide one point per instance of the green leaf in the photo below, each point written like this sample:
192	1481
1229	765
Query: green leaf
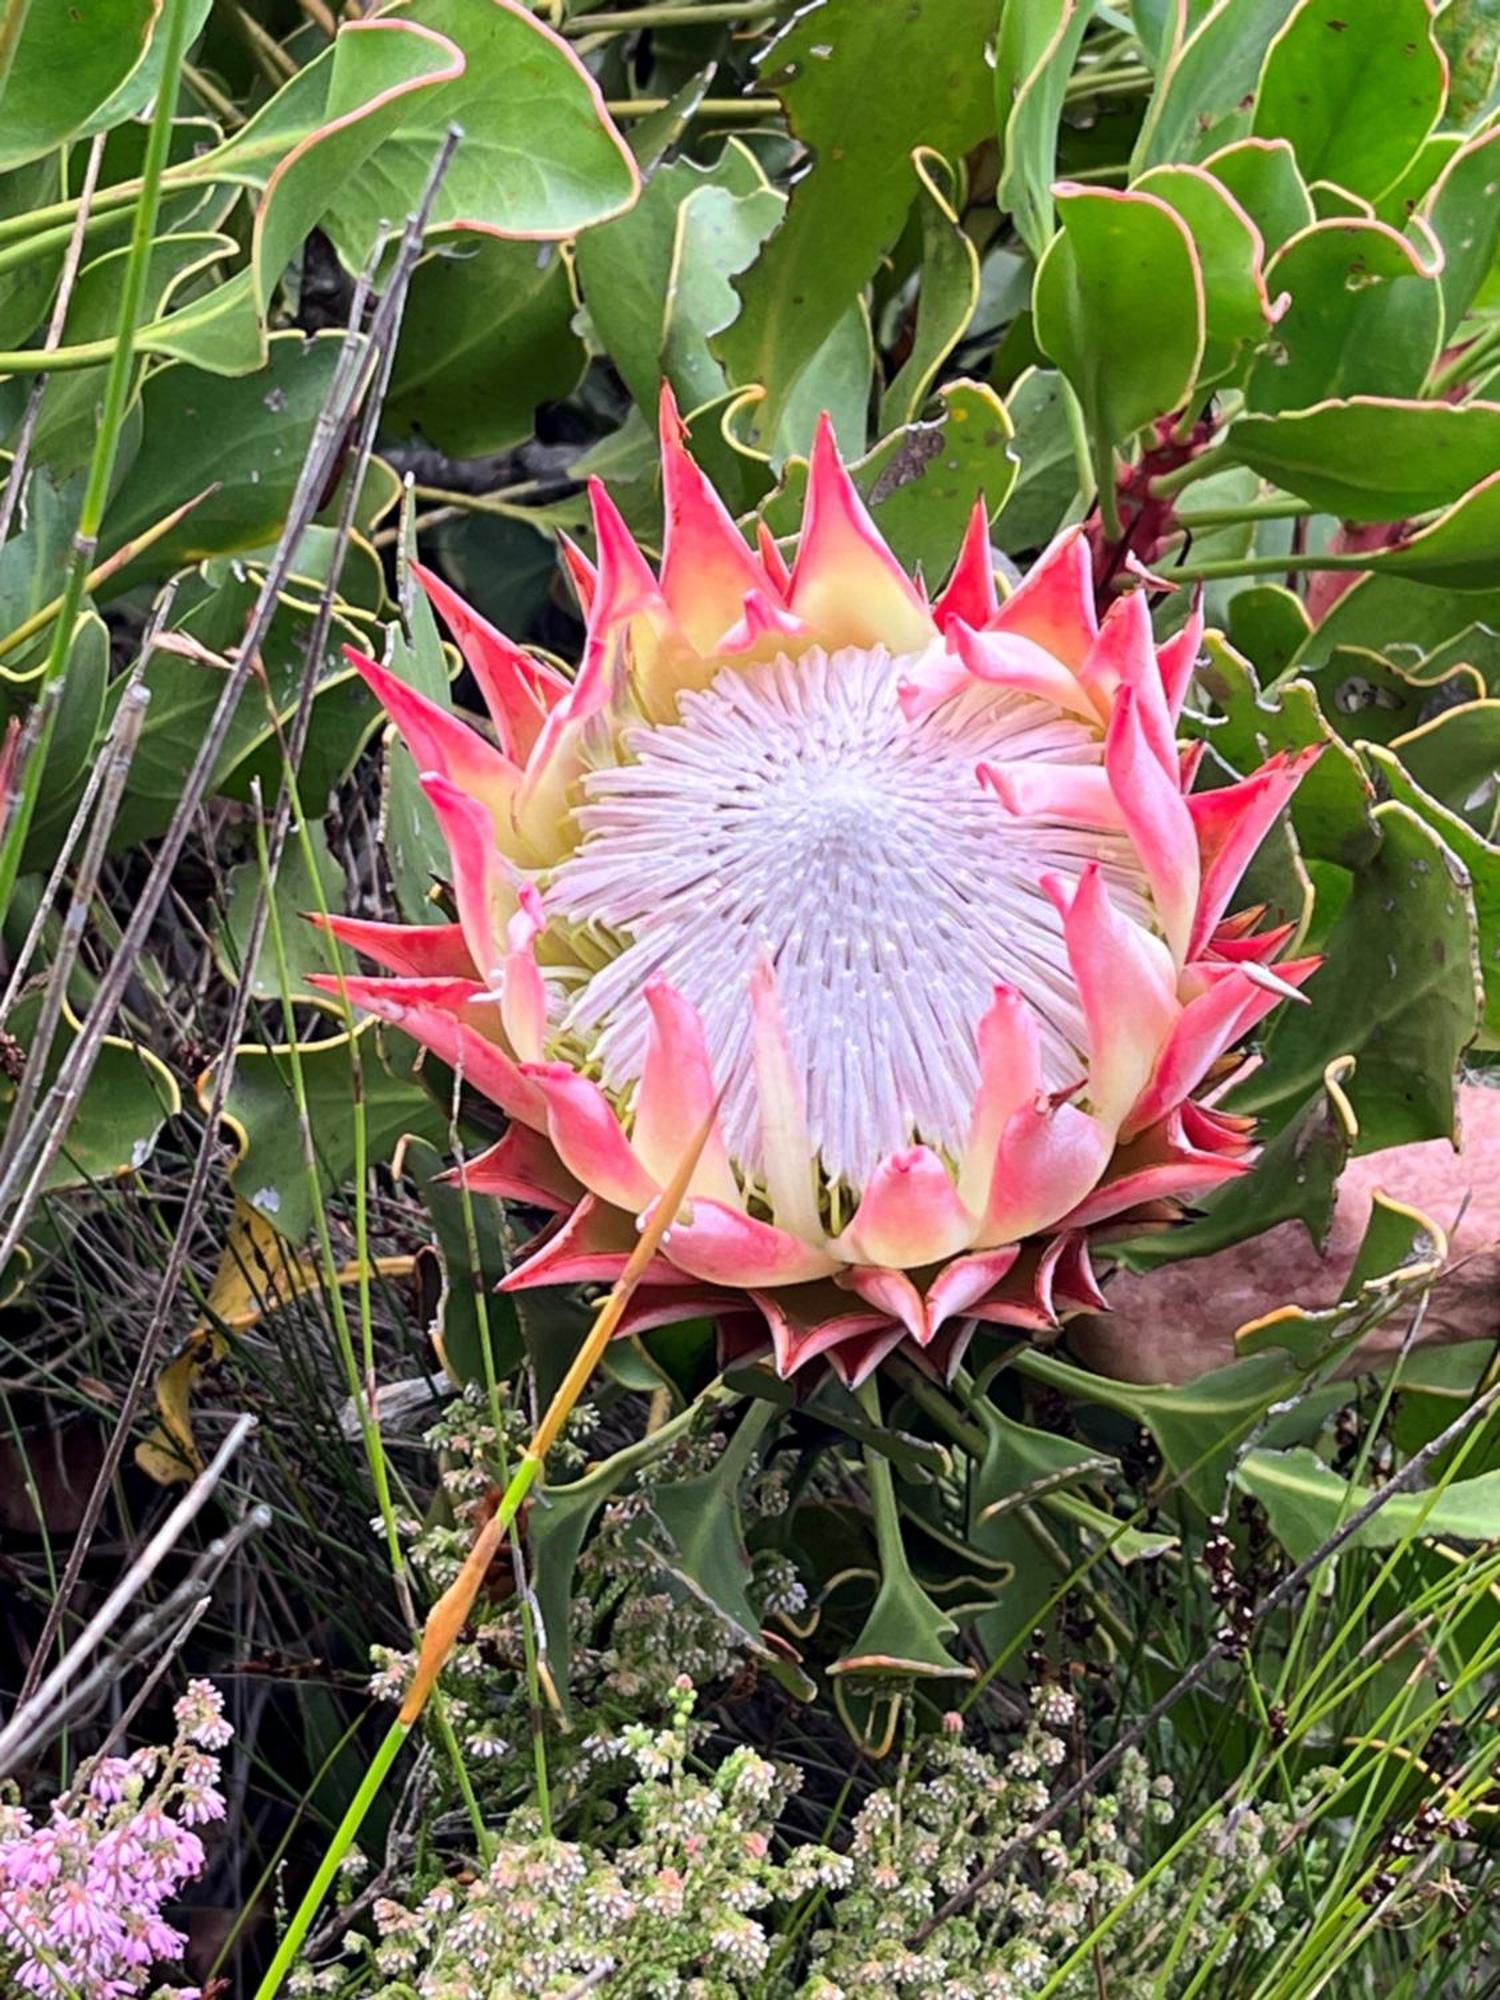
1457	551
1048	476
1479	856
349	143
1398	990
1019	1464
486	336
30	563
307	949
1119	308
1463	212
129	1096
1367	699
1428	630
27	291
1268	624
1306	1500
1373	458
69	413
136	93
1295	1178
701	1517
921	483
902	1637
1263	177
68	60
948	291
1455	756
559	1520
539	155
1366	318
1331	807
1355	89
1403	197
1199	100
1236	307
270	1172
861	99
919	1460
1468	33
1199	1427
1034	55
1126	1545
719	234
185	687
628	270
838	380
249	436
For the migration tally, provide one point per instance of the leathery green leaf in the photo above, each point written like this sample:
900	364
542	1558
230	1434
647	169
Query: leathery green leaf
1373	458
1355	89
1237	309
860	98
1479	856
67	62
1365	318
1119	307
1398	990
1034	53
1306	1500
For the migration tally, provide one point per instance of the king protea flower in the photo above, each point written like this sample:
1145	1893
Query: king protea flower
915	893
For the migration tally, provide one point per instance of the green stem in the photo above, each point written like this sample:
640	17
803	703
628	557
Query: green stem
883	1508
707	107
345	1835
55	360
117	385
695	14
1466	361
969	1438
1280	507
1122	82
1211	572
530	1657
1214	459
1078	437
347	1832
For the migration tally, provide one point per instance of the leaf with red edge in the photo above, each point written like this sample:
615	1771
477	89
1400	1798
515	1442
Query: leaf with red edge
1119	307
1372	458
1355	88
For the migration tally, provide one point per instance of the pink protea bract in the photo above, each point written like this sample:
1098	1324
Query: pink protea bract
915	892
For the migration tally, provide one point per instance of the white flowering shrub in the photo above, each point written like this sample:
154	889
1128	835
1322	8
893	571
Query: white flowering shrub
697	1889
675	1903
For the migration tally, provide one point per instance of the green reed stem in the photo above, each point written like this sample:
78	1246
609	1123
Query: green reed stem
117	383
448	1616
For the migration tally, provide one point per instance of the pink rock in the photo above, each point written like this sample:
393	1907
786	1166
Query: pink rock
1177	1323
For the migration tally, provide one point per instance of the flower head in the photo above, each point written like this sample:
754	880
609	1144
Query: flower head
916	894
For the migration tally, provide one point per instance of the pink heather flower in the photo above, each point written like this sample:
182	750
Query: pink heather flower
200	1716
81	1897
916	893
110	1779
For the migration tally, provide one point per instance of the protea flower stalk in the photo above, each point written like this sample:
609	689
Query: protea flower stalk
915	892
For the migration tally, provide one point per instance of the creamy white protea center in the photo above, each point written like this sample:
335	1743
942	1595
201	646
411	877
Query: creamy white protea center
794	814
